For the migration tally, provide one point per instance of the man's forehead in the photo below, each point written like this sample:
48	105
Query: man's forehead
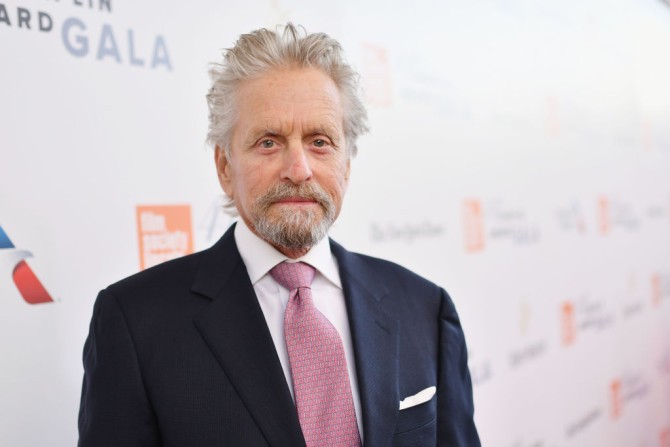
291	84
285	101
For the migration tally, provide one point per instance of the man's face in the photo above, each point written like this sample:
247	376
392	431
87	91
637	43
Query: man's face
289	164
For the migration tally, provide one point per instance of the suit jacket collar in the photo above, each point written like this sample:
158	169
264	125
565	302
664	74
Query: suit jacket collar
234	328
375	338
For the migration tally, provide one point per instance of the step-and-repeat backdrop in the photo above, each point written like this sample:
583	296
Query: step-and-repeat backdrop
519	156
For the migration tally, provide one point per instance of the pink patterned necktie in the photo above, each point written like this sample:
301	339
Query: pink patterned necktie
318	366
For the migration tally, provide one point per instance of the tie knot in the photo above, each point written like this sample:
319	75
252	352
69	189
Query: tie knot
293	275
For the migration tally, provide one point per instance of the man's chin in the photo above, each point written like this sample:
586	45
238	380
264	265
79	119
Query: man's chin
292	227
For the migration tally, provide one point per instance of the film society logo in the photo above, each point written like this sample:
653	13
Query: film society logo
13	262
164	233
473	225
625	390
664	437
82	40
583	316
614	213
660	288
504	223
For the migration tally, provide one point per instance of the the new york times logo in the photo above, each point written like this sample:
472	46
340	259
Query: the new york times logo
104	43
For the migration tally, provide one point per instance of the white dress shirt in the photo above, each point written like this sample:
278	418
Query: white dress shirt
260	257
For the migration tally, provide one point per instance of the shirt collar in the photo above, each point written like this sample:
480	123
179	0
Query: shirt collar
259	256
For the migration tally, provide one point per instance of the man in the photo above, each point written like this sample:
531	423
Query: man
277	336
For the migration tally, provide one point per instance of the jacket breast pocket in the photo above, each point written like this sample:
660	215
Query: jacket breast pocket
416	427
416	419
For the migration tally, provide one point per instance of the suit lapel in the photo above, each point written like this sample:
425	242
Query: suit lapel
375	338
234	328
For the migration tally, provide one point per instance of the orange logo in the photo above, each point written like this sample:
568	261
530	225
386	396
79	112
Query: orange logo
568	323
664	438
164	233
604	215
473	225
656	289
377	75
615	399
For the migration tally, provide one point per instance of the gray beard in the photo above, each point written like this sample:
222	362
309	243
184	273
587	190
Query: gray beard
293	229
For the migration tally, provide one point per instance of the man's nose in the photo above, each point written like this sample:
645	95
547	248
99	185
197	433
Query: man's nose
296	164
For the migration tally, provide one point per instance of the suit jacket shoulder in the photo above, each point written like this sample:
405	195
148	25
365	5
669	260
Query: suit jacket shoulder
377	269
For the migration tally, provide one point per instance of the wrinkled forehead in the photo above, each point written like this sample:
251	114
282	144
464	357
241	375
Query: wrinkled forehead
290	100
294	85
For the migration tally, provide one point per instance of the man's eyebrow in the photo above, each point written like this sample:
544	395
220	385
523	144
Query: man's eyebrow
329	131
326	130
258	132
262	131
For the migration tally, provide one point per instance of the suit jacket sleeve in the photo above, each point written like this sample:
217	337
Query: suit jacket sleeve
115	409
455	420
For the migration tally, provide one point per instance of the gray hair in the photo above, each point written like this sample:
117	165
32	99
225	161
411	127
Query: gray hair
260	51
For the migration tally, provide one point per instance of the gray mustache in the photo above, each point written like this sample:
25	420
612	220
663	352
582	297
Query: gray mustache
282	191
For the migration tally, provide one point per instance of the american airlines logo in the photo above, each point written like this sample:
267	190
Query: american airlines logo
12	260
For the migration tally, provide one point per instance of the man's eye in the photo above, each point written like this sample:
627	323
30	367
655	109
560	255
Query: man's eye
267	144
319	143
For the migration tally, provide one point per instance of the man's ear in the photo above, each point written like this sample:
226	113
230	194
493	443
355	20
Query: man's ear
223	170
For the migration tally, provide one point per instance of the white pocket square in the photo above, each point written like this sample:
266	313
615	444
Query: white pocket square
418	398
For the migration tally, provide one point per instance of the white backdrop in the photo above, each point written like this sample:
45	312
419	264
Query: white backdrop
519	156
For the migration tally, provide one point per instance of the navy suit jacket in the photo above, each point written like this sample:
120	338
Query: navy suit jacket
180	355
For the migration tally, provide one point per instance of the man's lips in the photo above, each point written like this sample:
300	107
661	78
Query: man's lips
298	200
